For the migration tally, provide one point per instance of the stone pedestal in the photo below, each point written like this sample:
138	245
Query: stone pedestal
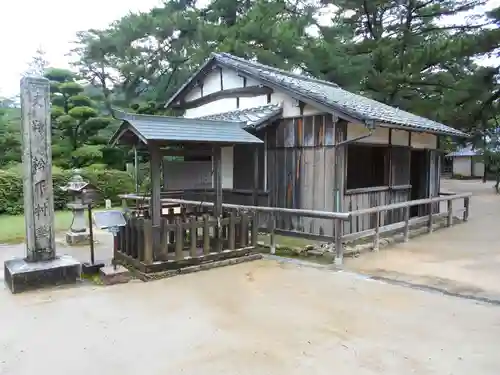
114	275
73	238
21	275
77	234
90	269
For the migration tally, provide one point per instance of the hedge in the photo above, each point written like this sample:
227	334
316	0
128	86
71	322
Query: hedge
110	184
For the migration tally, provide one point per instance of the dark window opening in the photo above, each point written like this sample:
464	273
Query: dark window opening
198	158
367	166
400	166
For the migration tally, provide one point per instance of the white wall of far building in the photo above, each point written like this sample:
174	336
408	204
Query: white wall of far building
467	166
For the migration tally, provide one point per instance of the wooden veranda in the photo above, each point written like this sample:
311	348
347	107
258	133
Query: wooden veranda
156	241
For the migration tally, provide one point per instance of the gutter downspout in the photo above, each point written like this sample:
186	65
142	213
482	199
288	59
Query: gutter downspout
370	124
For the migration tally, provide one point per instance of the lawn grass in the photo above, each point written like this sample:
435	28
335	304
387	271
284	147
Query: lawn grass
12	229
289	241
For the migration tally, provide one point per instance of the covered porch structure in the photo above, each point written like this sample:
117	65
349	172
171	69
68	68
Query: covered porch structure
156	241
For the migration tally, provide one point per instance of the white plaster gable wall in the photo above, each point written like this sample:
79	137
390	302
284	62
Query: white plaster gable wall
400	137
218	106
423	140
379	136
195	93
231	80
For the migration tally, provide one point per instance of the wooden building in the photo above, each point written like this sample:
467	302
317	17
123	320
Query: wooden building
154	241
467	162
324	148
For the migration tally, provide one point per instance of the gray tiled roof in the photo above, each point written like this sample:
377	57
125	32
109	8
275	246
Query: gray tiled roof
332	96
178	129
254	117
465	151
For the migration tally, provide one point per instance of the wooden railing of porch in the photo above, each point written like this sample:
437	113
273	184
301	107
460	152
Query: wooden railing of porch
337	218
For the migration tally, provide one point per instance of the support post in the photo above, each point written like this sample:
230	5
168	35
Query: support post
336	181
407	224
91	234
376	238
466	208
449	222
218	196
272	236
136	170
339	248
255	191
155	201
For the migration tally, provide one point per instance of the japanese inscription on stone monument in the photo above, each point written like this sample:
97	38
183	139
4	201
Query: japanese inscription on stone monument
38	189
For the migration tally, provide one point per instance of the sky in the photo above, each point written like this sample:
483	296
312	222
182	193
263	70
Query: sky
26	25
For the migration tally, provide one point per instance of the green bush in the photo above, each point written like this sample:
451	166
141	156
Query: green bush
110	184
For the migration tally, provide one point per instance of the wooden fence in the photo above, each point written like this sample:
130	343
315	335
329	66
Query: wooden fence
433	209
338	218
184	239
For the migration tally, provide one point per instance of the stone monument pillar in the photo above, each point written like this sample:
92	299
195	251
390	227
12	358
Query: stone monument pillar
37	170
41	265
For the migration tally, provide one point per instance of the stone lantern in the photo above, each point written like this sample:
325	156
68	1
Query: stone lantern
80	192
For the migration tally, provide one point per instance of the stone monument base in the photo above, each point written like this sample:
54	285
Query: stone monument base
75	238
21	275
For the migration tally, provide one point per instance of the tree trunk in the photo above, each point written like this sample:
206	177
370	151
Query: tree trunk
497	181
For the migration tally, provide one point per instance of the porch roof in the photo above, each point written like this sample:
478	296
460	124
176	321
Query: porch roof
255	118
178	130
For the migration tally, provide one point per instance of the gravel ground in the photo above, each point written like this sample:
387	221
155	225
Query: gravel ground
267	317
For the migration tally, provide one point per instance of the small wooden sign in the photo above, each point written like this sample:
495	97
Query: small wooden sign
109	219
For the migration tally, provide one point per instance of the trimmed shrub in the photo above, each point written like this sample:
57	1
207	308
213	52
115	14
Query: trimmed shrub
110	184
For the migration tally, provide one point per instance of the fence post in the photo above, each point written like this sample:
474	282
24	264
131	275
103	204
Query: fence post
244	230
255	229
339	249
148	241
466	208
450	213
193	237
206	235
272	237
124	205
179	239
376	238
232	231
171	216
407	224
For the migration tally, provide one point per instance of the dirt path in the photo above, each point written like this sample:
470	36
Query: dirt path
462	260
254	318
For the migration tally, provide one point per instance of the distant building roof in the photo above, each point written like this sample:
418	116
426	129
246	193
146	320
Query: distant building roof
180	130
326	95
253	118
468	150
